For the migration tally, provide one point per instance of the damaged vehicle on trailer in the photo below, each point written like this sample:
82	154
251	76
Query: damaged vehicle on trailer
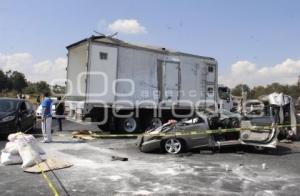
204	131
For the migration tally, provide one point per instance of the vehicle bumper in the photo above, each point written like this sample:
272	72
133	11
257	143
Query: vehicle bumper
150	146
8	127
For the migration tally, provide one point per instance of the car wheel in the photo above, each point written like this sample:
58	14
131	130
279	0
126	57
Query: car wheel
173	146
128	125
235	123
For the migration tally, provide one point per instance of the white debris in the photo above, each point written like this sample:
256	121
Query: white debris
21	148
264	166
9	158
227	168
28	154
15	136
12	148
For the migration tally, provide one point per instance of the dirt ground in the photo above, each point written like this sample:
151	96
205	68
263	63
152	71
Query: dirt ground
229	172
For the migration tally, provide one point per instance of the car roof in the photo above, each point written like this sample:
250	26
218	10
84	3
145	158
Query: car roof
14	99
11	99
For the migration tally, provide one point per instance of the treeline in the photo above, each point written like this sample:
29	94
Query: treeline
257	91
17	82
14	81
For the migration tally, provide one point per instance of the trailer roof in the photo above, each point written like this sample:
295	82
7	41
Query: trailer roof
117	42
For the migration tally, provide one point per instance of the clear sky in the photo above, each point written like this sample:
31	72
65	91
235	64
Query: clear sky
260	37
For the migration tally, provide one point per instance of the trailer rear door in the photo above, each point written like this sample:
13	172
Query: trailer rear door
171	82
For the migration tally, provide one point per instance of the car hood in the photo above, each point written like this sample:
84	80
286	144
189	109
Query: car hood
4	114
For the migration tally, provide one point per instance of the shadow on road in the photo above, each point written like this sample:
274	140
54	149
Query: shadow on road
67	142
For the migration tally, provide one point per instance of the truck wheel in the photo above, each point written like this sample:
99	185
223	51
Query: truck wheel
156	122
152	123
128	125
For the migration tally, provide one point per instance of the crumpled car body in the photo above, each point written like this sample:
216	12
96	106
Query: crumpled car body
202	131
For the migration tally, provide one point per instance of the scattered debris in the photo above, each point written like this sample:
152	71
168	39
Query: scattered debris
83	134
28	154
8	158
49	164
227	168
24	148
264	166
286	141
116	158
21	148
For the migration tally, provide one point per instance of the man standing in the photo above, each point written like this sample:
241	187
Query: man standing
38	100
46	118
60	110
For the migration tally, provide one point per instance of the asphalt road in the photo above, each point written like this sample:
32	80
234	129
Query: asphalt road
229	172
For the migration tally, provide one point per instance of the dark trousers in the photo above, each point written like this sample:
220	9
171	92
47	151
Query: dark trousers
59	122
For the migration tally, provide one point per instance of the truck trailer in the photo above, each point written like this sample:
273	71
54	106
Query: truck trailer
129	87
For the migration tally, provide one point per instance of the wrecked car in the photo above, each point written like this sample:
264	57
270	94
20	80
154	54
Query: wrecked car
277	108
206	130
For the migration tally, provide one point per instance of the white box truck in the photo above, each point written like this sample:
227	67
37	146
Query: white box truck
127	87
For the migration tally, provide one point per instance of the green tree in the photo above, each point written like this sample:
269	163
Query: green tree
31	88
258	91
238	89
9	86
42	87
18	81
58	89
3	81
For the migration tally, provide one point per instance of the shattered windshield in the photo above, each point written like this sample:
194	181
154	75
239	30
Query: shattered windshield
8	105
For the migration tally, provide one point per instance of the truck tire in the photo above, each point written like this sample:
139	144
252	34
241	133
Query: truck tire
128	125
152	123
156	122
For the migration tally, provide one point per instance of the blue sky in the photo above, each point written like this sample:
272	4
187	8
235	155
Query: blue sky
256	34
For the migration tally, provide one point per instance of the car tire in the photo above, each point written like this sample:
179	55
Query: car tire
173	146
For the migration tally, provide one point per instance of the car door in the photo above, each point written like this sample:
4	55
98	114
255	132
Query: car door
23	116
258	136
30	114
195	133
